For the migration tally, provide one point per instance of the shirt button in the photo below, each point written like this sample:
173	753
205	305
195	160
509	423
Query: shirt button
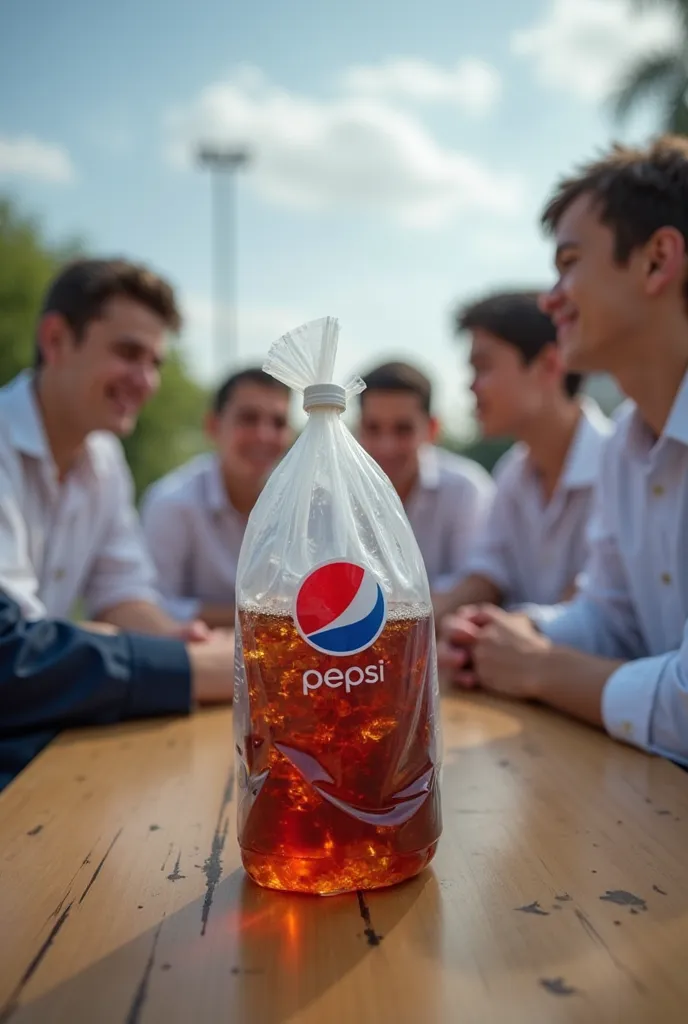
666	578
627	729
658	490
59	574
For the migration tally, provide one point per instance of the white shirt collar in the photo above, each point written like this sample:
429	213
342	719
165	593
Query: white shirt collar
641	437
583	459
27	430
428	468
216	492
677	424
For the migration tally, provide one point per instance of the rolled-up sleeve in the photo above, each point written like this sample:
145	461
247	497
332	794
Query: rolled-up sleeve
122	570
645	702
167	536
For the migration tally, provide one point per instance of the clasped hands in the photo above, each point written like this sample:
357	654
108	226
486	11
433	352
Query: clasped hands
484	646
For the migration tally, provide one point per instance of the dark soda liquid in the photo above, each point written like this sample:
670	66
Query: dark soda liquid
338	790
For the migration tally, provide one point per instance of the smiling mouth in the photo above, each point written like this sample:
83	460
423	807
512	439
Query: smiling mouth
124	406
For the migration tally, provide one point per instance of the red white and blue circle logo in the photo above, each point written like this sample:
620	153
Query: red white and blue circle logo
340	608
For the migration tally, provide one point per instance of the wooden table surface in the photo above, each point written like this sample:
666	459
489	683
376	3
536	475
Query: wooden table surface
559	892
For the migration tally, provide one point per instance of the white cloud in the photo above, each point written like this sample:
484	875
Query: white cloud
582	46
27	157
257	329
472	85
349	151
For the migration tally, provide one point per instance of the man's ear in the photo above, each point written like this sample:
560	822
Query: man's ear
435	429
664	260
210	424
51	335
551	363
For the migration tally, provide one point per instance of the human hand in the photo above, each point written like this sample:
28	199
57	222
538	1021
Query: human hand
194	632
509	654
458	634
212	668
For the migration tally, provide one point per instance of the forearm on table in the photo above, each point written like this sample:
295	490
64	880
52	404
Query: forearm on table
473	589
217	616
139	617
573	682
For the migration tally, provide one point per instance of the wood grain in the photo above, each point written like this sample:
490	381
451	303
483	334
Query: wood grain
559	893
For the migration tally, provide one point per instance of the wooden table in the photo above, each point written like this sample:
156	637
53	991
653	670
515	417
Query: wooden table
559	892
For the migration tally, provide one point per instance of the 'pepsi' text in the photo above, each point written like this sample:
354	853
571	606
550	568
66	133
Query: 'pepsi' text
350	678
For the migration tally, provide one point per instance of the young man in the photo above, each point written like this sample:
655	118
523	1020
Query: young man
68	529
618	654
194	518
54	676
446	497
535	541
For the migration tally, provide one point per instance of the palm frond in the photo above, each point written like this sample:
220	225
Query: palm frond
680	7
676	108
655	74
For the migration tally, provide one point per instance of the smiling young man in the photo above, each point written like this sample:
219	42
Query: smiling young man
617	655
68	528
446	497
534	543
194	518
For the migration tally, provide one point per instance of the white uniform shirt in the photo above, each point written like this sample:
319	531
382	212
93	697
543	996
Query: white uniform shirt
532	550
194	536
634	602
446	509
59	542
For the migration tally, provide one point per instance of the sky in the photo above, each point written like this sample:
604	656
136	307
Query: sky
400	153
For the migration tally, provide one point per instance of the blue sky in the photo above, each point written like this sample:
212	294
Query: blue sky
401	156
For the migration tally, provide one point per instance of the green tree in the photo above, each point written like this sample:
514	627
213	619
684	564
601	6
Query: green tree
27	262
169	429
660	75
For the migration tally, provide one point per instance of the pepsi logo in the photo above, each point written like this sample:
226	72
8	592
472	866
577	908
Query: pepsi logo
340	608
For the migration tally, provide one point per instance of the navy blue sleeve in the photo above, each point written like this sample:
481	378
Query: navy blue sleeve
54	675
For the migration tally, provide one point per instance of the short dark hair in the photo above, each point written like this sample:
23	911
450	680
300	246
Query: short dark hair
515	318
84	286
635	191
402	377
251	375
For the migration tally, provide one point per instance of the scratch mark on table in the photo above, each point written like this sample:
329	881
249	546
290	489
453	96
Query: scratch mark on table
141	994
533	908
176	874
169	854
212	868
7	1011
660	891
564	898
99	868
558	987
372	937
35	831
593	933
154	828
68	891
624	899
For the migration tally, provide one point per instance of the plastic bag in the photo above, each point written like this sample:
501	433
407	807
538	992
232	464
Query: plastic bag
336	695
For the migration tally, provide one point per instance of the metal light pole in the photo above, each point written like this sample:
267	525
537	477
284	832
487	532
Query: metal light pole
222	164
